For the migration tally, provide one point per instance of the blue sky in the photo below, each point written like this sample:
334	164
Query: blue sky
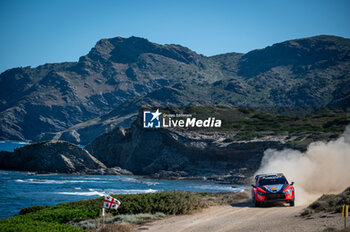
35	32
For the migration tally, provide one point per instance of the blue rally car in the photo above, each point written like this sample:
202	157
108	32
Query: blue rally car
271	188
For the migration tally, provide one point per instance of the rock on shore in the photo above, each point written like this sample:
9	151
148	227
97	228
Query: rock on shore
54	156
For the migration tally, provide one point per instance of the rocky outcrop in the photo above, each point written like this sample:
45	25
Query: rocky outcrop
180	154
105	171
57	157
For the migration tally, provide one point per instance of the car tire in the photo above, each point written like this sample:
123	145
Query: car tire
291	203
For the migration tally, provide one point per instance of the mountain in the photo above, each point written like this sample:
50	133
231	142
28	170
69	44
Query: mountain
77	101
52	97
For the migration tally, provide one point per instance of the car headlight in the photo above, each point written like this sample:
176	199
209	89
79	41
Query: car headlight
259	193
288	191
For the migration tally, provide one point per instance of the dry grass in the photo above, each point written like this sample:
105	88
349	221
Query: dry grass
329	203
120	227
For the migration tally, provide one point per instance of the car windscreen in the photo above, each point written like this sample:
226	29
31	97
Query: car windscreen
272	181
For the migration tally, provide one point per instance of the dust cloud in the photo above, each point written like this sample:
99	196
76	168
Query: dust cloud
324	168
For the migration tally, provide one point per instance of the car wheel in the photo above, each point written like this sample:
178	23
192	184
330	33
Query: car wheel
291	203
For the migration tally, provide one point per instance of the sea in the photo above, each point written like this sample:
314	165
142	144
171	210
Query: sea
22	189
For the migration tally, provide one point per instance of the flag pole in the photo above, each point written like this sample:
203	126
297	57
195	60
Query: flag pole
103	217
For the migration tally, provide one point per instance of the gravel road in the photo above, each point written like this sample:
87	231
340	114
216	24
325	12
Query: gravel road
246	218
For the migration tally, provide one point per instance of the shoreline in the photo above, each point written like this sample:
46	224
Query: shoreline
210	178
27	189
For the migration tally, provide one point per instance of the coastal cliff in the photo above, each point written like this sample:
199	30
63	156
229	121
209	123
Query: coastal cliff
175	153
55	157
231	153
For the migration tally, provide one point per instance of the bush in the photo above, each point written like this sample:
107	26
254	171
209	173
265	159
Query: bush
173	202
63	215
27	224
168	202
32	209
54	218
329	203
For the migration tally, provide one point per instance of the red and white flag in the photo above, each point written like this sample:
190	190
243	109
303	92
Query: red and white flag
111	203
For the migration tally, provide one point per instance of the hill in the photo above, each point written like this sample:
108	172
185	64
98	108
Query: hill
231	153
101	90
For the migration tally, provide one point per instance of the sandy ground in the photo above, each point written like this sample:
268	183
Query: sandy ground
246	218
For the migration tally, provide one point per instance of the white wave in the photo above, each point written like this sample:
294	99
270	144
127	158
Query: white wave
24	143
44	181
93	178
128	179
94	193
220	188
47	174
138	180
127	191
13	142
149	183
134	191
79	181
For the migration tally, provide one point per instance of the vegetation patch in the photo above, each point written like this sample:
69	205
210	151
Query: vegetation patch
134	208
329	203
331	229
28	224
241	123
125	219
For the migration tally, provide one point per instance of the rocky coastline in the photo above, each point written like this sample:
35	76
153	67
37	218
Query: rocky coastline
56	157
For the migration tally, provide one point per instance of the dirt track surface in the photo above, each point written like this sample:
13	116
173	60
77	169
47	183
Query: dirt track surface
246	218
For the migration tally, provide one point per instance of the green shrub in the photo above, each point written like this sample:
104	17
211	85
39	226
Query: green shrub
32	209
133	208
27	224
63	215
168	202
54	218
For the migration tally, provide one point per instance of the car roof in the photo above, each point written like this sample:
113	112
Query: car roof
257	177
